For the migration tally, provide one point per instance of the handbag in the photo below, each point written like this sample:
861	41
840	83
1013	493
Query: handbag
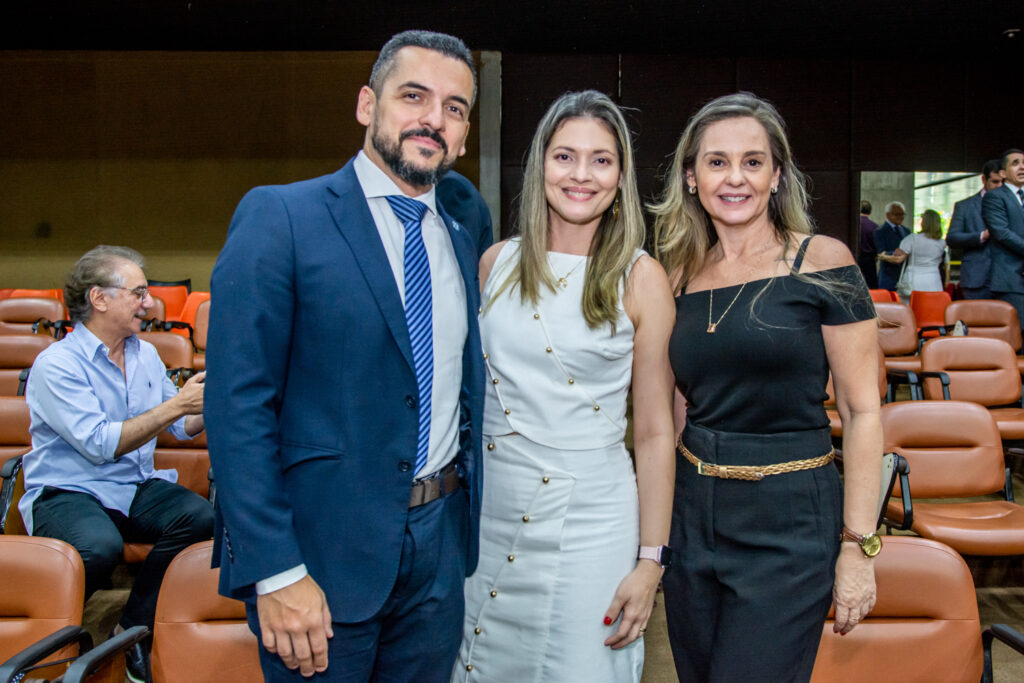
905	285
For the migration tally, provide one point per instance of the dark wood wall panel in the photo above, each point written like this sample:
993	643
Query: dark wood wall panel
993	114
830	202
908	116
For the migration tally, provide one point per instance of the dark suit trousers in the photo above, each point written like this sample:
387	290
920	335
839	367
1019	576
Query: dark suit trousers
976	292
165	514
416	634
869	268
748	596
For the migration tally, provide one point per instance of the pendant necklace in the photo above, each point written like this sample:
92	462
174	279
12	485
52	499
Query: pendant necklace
712	326
563	281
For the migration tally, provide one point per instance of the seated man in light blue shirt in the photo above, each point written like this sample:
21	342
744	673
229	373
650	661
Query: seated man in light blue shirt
98	398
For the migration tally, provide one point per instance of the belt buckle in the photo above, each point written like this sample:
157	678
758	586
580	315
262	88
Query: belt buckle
702	468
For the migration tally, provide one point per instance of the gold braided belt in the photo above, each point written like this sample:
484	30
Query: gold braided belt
751	472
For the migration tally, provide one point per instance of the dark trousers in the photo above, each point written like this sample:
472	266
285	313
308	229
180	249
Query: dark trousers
167	515
416	634
869	268
747	598
975	292
1015	298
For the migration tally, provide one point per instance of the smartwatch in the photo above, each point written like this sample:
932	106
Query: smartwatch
662	554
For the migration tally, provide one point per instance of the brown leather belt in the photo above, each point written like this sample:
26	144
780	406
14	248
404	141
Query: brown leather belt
436	485
753	472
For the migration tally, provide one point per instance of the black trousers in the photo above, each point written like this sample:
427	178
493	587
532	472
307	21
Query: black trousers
167	515
748	595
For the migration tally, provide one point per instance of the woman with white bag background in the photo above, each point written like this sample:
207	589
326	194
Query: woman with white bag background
922	254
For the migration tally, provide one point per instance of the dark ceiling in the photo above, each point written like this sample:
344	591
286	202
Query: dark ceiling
948	28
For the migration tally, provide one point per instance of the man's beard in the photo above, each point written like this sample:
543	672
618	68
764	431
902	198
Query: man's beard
391	153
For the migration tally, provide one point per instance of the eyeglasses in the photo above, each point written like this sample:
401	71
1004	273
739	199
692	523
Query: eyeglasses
141	292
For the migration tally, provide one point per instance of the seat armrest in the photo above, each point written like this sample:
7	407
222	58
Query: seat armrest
9	473
103	653
1005	634
941	376
41	649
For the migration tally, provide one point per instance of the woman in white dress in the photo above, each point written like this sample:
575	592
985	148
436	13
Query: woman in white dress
574	313
924	253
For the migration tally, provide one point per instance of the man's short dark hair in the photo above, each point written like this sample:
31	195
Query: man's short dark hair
865	207
991	166
1005	156
96	268
449	46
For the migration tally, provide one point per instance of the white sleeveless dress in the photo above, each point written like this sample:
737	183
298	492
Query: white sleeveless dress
559	527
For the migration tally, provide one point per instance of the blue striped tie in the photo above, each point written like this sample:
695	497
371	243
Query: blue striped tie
418	312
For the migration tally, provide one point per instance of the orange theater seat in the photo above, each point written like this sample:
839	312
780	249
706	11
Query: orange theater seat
17	353
190	458
201	636
954	452
201	324
174	295
924	626
14	421
883	296
39	293
979	370
930	312
19	316
42	590
175	351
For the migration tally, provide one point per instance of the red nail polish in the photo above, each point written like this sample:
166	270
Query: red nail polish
607	621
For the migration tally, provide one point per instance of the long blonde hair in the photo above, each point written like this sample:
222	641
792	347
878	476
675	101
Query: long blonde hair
683	232
931	224
617	236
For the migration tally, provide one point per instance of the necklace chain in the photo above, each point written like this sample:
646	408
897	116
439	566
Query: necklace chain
712	326
563	281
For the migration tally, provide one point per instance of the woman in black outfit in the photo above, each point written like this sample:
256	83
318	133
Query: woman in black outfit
764	311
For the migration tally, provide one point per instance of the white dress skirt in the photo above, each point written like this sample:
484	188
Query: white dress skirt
559	526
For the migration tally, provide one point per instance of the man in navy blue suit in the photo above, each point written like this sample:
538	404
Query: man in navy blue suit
1004	216
968	233
345	392
464	203
888	236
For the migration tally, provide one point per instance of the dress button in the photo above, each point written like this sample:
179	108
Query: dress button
572	381
548	349
511	558
495	380
597	407
477	631
490	446
494	594
469	667
410	401
507	411
546	479
486	356
404	466
536	316
526	518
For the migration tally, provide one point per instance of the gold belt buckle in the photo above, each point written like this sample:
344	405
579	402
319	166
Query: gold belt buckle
702	468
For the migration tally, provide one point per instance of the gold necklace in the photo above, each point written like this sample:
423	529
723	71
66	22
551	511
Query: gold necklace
712	326
563	281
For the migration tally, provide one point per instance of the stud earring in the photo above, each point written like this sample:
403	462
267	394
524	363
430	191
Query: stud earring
775	190
693	189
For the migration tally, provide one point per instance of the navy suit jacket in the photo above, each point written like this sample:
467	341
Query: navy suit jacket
1004	217
464	203
887	239
310	403
964	233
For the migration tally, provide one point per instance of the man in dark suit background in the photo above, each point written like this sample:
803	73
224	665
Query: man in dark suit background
464	203
1003	212
345	392
867	256
888	236
968	233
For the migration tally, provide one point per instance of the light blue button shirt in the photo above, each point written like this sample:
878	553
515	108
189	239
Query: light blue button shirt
78	399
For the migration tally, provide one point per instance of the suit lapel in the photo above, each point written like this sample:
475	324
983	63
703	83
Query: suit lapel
347	204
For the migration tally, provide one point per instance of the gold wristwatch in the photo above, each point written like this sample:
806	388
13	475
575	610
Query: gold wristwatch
870	544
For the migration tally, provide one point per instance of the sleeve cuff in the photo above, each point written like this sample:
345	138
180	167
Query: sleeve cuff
177	429
113	438
282	580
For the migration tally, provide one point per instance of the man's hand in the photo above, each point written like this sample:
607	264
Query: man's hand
984	235
295	623
190	396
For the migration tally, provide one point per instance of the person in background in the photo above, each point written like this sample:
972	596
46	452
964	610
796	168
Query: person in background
888	236
924	254
967	232
766	534
867	255
1003	211
464	203
97	400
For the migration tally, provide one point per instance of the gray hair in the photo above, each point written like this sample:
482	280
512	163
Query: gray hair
96	268
888	207
447	45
